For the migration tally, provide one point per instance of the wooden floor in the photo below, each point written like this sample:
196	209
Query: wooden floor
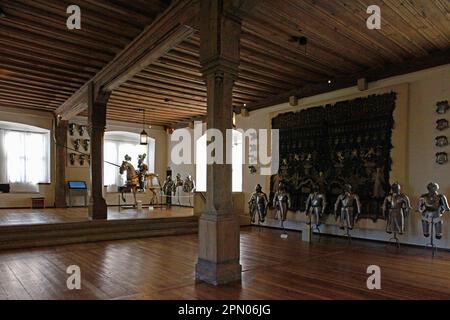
50	215
273	268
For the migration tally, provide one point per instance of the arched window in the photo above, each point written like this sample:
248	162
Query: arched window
117	145
24	156
201	162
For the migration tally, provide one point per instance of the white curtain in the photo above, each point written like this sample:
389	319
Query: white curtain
115	151
25	159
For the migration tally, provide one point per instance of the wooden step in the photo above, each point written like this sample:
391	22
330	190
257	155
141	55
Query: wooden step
38	235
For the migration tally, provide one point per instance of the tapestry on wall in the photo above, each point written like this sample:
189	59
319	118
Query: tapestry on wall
329	146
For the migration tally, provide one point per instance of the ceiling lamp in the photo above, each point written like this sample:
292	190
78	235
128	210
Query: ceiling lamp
144	136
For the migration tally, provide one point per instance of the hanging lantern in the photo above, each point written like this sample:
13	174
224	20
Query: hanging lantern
144	135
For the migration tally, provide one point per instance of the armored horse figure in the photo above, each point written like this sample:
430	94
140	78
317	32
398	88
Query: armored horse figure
148	180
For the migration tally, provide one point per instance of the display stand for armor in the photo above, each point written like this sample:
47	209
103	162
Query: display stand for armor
282	203
177	192
313	227
190	195
395	240
431	244
348	235
259	226
284	235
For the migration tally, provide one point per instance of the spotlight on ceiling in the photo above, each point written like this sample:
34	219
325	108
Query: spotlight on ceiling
2	13
302	40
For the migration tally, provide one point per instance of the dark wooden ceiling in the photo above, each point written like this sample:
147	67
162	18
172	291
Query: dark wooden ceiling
42	63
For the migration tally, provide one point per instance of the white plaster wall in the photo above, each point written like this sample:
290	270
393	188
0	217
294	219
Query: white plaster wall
45	120
112	198
413	138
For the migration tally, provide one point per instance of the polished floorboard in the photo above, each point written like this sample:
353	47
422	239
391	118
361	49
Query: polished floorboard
52	215
273	268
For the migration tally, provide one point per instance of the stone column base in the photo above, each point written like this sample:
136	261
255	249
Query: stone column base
98	209
218	273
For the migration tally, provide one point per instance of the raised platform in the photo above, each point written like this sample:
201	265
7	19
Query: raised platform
52	215
31	228
38	235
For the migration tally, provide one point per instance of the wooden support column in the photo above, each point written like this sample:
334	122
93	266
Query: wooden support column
219	250
61	159
97	102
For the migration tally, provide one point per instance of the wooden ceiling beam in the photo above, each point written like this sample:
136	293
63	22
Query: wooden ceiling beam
142	104
31	97
167	115
22	107
36	86
39	93
194	75
412	65
54	44
28	77
188	87
241	8
95	19
167	30
155	100
20	102
115	109
52	52
138	63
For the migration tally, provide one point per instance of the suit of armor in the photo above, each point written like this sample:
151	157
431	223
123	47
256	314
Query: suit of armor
315	206
432	205
177	183
143	169
396	207
189	184
346	203
167	189
258	203
281	202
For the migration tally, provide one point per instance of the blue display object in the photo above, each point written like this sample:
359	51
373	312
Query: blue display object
77	185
